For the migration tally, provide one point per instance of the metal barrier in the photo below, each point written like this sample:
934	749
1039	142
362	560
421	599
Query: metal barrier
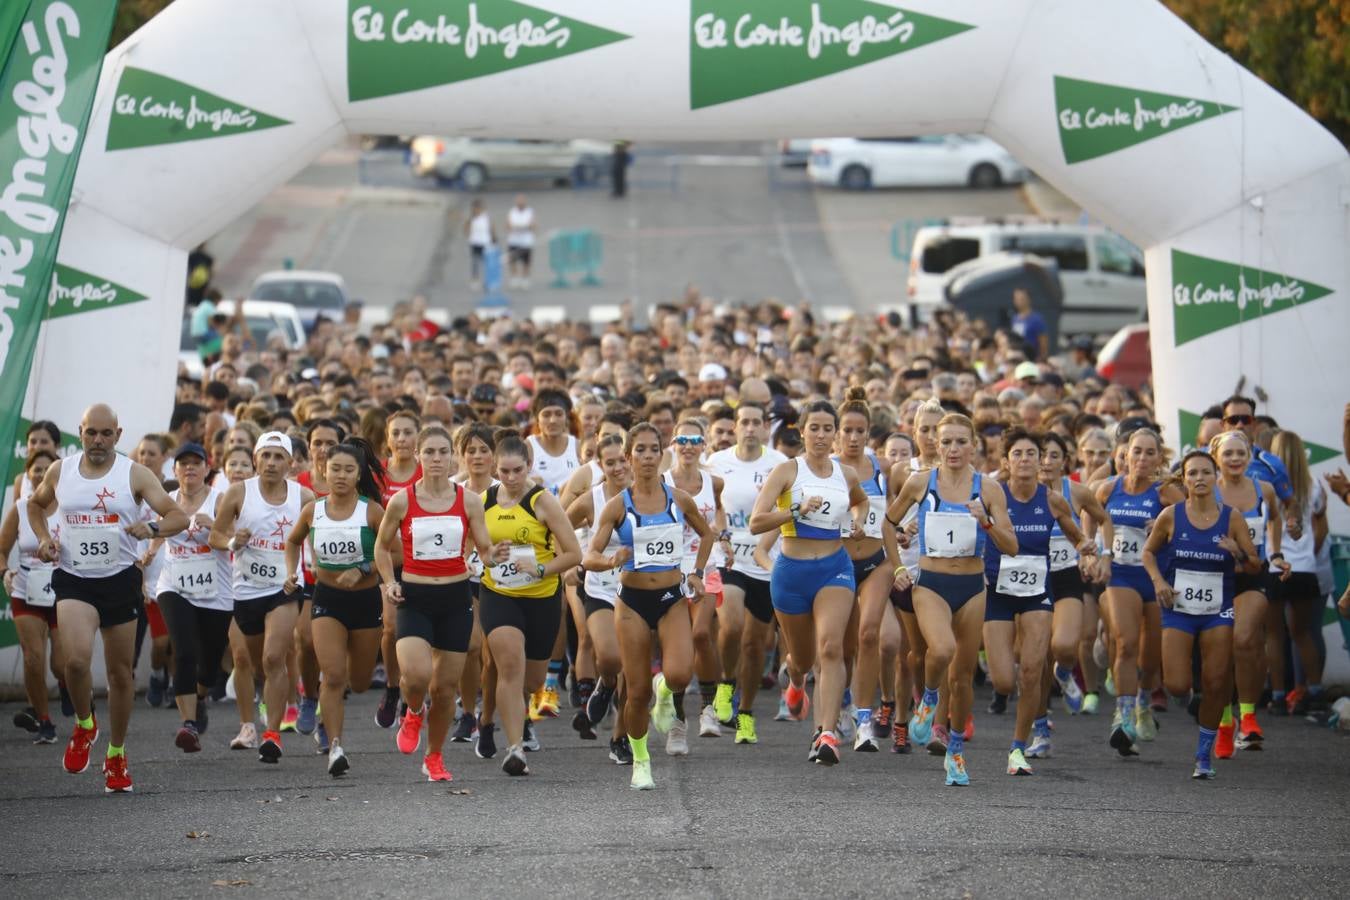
902	236
574	253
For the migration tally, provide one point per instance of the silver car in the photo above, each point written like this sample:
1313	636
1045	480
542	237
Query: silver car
471	162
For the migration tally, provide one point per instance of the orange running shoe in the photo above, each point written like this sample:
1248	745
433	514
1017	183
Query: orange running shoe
290	718
409	736
536	699
548	702
1294	698
798	701
1249	735
1223	744
827	749
433	766
970	728
117	780
77	751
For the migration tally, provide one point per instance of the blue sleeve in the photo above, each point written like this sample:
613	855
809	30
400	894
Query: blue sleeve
1279	477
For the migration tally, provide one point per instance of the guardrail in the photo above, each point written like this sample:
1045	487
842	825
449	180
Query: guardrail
575	253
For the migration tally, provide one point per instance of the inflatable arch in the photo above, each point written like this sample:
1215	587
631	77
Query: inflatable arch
1240	199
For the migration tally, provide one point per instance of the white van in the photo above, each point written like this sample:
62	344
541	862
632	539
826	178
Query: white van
1101	272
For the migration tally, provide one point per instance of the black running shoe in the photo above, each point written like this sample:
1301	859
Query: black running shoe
203	717
486	746
46	733
27	719
269	751
621	752
575	697
386	712
597	704
463	733
999	705
582	725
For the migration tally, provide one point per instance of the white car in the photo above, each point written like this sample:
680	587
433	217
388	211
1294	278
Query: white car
471	162
930	161
311	293
265	320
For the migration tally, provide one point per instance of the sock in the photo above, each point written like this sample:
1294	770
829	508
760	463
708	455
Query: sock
1143	697
930	696
586	687
956	743
707	692
848	697
116	751
1205	744
1278	696
1227	719
1016	745
1247	709
862	715
1315	690
639	746
86	723
1127	706
679	705
1042	726
1062	674
554	671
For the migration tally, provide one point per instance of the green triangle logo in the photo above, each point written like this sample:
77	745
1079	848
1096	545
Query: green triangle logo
394	46
1097	119
152	109
1190	426
76	292
1209	295
740	48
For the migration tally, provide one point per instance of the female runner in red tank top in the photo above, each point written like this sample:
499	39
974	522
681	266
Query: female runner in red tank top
401	469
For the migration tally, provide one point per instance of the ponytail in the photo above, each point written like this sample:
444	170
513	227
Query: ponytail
371	472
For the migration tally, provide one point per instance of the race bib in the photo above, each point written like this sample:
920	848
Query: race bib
262	568
521	568
474	563
876	511
92	546
1257	529
38	587
1063	554
602	583
1127	545
658	546
1198	593
338	545
194	575
437	537
833	508
1021	576
949	534
743	550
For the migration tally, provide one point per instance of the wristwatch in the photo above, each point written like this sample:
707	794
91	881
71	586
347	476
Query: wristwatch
795	510
364	568
154	528
698	572
540	569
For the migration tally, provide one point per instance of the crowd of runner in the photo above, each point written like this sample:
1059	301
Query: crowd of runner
661	524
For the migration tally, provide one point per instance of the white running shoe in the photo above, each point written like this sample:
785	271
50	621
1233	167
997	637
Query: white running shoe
847	727
708	726
865	742
642	775
337	761
247	739
677	739
663	710
1039	747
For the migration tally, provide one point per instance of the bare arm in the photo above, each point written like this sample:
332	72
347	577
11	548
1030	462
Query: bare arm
766	516
550	512
386	537
294	541
44	496
1000	529
222	529
595	559
146	487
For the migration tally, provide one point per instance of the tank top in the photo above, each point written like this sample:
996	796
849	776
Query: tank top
1026	573
825	523
1300	552
1199	570
260	565
433	542
603	585
518	222
94	514
1131	515
553	471
655	539
741	481
306	479
530	547
1063	554
341	544
473	562
1255	518
875	489
191	568
33	581
390	487
948	530
480	230
706	502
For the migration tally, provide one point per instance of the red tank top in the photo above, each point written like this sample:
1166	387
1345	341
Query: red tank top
435	548
392	487
306	480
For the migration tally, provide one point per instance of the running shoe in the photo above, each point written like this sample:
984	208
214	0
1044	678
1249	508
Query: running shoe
1223	744
955	764
865	740
574	695
1204	770
548	702
999	705
1250	736
187	739
409	736
1123	736
321	738
1158	700
1090	702
27	719
969	733
827	750
1017	763
379	677
154	695
597	704
883	720
677	739
847	725
77	751
532	711
1145	724
337	761
937	741
921	724
46	733
116	778
247	738
722	703
815	746
530	739
307	718
1040	747
291	717
1073	694
663	710
745	728
798	702
269	751
1100	655
514	764
463	733
620	751
900	744
486	745
1110	682
642	775
433	766
582	726
67	703
387	711
783	714
708	726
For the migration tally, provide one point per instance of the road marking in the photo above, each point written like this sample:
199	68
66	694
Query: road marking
548	315
605	313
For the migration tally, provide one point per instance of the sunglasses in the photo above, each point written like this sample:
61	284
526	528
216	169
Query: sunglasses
1238	420
687	440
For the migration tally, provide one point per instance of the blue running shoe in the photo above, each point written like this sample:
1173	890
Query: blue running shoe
307	720
1073	694
321	738
921	724
955	763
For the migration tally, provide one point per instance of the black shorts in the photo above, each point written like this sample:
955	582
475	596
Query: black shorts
1300	586
520	254
117	597
440	614
652	604
251	615
356	610
1244	582
537	618
758	600
1067	583
903	600
864	567
590	605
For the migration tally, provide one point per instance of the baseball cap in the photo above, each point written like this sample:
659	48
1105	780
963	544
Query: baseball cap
712	372
275	439
1027	370
190	449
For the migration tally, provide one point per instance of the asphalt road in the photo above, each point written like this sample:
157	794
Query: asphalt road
726	821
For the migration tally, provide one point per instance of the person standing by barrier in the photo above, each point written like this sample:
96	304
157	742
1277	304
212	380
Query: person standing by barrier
521	228
481	235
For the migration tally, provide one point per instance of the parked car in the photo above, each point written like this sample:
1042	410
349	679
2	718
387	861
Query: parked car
1126	359
794	153
311	293
264	320
1102	273
471	162
927	161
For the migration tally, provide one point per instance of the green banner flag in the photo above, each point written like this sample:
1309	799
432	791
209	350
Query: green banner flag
46	90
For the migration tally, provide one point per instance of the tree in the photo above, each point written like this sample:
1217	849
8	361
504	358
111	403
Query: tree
1299	47
132	14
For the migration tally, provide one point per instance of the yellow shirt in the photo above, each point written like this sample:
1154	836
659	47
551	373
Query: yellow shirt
518	525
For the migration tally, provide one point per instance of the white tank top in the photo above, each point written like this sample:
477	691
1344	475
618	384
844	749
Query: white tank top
191	568
603	586
707	507
741	482
28	546
480	230
518	222
260	566
553	471
94	514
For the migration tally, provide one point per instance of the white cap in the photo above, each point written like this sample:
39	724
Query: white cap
274	439
712	372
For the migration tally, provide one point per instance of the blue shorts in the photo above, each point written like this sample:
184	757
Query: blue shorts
865	567
957	590
1005	607
1134	578
794	583
1193	624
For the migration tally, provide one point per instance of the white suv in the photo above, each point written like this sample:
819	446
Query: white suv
928	161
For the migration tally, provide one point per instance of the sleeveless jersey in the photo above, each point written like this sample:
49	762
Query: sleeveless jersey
948	530
707	507
655	539
1026	573
1063	554
825	523
1131	515
433	542
191	568
340	544
260	565
1199	570
553	471
94	514
531	546
33	581
1255	517
603	586
875	489
389	487
741	481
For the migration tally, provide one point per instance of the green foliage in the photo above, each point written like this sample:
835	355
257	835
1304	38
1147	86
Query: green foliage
132	14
